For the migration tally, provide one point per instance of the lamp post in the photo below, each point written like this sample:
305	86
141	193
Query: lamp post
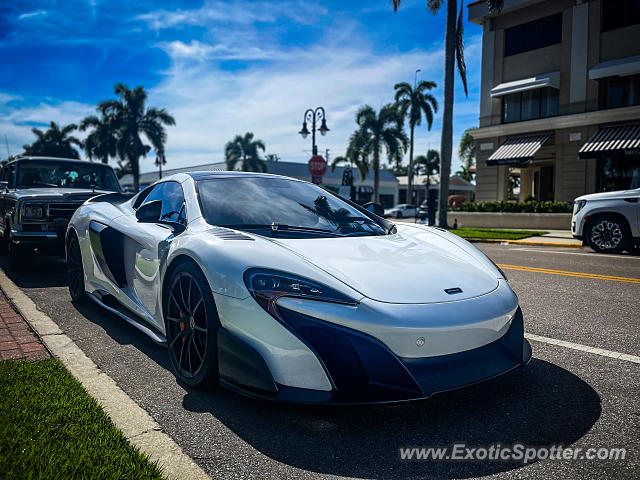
314	116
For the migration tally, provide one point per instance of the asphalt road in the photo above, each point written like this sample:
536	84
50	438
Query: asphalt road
564	396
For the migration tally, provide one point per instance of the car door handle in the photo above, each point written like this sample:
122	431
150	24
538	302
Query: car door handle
631	200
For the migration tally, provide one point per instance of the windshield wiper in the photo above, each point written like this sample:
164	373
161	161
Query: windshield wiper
280	227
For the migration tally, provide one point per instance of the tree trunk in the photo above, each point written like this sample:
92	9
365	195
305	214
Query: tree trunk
135	170
410	170
376	173
105	159
446	142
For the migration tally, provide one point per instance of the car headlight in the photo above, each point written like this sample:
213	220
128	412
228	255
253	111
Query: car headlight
33	212
578	205
266	286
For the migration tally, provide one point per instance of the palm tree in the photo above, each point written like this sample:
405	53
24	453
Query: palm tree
467	152
354	156
101	142
453	52
377	131
427	165
244	150
54	142
413	103
133	119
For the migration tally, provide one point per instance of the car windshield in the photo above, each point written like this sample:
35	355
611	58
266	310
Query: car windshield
281	205
49	173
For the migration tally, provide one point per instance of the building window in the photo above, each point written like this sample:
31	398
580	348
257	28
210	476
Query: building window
620	13
618	173
620	91
530	104
537	34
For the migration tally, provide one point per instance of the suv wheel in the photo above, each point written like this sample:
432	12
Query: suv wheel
398	214
607	235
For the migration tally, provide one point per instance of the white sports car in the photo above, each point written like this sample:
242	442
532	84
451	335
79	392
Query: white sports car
281	290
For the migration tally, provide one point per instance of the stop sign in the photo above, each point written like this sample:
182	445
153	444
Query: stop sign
317	166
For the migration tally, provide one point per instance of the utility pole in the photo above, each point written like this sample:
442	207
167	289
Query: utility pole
6	142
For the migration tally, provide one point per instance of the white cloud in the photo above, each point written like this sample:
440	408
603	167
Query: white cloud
212	104
16	121
248	12
37	13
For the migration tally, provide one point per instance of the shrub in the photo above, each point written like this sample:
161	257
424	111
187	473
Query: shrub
530	206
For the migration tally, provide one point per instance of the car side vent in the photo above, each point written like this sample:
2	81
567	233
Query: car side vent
226	234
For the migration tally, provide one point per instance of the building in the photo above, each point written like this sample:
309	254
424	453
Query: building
458	186
332	180
560	98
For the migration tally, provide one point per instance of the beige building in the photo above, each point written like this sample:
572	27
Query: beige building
560	98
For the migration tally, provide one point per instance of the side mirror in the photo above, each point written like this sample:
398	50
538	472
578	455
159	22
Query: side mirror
149	212
374	208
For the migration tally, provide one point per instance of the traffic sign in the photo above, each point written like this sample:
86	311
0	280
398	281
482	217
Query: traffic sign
317	166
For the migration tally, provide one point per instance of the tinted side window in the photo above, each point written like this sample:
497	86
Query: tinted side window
537	34
173	207
11	175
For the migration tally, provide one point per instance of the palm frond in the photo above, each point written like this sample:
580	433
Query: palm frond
462	67
434	5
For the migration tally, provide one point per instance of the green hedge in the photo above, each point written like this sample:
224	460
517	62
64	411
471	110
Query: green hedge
531	206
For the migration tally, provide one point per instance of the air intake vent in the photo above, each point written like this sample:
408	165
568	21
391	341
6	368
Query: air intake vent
226	234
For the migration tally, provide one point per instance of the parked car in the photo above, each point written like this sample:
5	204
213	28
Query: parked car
276	288
608	222
38	196
401	210
423	210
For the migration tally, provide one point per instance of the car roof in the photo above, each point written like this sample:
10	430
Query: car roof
57	159
207	175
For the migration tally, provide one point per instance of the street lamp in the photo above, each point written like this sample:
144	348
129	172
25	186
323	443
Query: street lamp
314	116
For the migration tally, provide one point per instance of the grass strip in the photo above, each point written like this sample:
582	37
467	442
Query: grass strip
495	233
51	428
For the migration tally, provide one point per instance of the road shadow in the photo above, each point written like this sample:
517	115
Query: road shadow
538	405
39	272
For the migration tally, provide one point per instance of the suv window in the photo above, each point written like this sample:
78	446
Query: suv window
173	204
8	175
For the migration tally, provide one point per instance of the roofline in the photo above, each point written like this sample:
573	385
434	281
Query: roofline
479	11
58	159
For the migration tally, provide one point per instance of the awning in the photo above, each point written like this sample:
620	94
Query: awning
518	150
539	81
620	67
621	140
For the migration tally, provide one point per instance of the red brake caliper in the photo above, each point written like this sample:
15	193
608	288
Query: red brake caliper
182	325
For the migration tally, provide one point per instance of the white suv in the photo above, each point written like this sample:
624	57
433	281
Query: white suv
608	222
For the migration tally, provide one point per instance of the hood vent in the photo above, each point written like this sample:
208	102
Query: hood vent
226	234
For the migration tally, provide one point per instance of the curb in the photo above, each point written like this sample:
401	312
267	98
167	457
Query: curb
524	242
141	430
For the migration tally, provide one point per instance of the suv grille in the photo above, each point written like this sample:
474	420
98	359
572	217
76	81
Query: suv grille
63	210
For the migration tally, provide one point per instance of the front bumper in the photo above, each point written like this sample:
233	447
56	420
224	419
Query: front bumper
363	370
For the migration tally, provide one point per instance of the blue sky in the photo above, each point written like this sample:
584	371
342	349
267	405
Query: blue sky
223	68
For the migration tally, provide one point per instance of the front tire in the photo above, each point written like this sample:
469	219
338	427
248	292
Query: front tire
191	321
608	235
398	214
75	270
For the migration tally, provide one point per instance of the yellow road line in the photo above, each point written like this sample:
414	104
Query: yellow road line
549	271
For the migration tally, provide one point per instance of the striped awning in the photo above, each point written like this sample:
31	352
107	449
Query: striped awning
622	140
518	150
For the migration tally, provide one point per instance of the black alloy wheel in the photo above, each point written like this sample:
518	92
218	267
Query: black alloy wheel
191	322
75	271
607	235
